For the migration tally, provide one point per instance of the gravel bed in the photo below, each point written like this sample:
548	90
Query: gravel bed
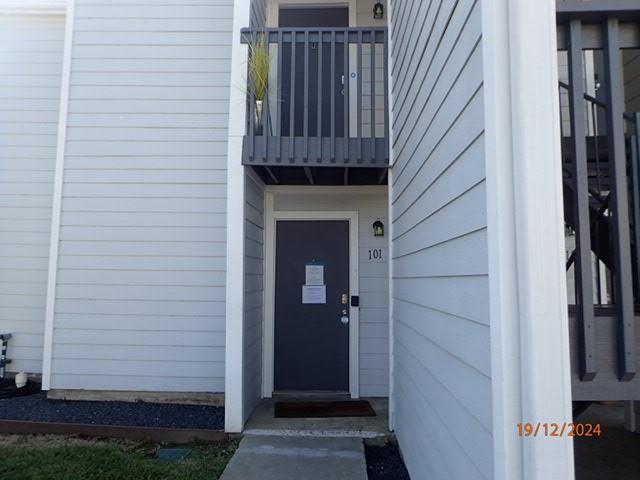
385	462
37	408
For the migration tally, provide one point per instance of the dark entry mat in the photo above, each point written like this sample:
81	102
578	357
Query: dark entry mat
318	409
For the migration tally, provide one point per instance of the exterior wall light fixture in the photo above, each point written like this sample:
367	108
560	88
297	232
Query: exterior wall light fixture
378	228
378	11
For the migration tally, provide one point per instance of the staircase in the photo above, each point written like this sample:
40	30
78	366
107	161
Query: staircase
599	182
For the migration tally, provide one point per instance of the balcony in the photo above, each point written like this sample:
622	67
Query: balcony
600	133
327	102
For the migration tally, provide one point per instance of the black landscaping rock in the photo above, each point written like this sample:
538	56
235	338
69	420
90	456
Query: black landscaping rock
385	462
36	408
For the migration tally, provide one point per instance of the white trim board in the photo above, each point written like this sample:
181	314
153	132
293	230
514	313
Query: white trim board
34	7
56	207
390	181
271	217
530	366
234	300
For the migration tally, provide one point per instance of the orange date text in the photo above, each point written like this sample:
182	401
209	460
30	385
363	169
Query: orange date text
562	429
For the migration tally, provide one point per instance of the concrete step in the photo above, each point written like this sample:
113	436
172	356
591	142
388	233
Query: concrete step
297	458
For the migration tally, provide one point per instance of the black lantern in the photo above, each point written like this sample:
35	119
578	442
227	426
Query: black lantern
378	228
378	11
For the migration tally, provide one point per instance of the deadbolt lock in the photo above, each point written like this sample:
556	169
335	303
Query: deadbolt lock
345	299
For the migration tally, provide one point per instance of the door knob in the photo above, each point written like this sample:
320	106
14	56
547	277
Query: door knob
345	317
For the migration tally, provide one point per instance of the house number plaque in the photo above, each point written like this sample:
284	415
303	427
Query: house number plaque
375	255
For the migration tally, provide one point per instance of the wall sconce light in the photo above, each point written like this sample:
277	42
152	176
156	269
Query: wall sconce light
378	11
378	228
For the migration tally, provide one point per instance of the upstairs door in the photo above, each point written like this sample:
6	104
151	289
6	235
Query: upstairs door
313	17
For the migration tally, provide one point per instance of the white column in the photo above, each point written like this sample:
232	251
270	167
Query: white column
234	364
528	301
56	206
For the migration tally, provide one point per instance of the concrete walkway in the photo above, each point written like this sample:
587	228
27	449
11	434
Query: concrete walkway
297	458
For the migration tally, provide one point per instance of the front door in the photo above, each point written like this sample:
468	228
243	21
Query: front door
312	282
315	17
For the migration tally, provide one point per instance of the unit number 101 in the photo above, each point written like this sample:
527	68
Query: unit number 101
375	254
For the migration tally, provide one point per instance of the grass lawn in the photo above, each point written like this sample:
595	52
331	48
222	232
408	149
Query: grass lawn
48	457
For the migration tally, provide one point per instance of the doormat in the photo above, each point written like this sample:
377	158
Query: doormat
317	409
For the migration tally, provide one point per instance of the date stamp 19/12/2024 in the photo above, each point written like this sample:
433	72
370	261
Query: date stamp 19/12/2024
562	429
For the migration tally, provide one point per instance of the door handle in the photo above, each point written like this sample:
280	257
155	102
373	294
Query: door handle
345	317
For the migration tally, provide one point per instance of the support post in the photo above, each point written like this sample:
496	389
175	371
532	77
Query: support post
583	264
620	196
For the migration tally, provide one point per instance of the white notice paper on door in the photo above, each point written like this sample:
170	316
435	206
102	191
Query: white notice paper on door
314	294
314	274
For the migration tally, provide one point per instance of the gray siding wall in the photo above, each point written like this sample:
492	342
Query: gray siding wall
140	301
258	13
631	62
374	274
442	383
253	291
30	75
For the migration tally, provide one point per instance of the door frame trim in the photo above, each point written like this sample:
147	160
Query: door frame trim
268	338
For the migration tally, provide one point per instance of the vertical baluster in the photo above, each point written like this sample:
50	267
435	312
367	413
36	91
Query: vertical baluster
386	105
635	182
266	114
597	241
582	265
305	119
320	94
373	95
598	281
252	115
345	98
279	97
292	99
596	145
359	106
333	97
617	160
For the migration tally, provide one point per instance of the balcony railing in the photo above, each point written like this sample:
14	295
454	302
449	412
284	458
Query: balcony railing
328	99
601	183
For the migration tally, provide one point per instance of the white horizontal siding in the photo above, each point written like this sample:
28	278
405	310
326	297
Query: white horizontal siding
140	298
374	284
442	381
30	76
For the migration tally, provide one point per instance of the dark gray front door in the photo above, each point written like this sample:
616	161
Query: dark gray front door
313	18
311	343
